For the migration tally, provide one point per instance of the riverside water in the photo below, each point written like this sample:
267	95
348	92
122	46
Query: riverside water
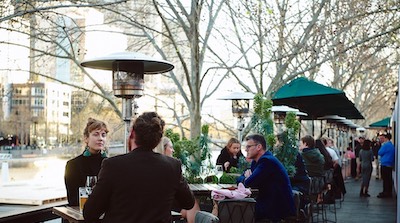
49	169
30	170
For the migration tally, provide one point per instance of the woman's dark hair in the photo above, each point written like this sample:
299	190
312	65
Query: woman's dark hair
309	141
149	129
258	138
328	159
367	145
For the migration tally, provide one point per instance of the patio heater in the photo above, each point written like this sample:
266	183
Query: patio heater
240	108
331	123
280	114
128	69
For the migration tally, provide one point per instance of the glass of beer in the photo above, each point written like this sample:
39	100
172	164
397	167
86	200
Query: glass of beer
83	196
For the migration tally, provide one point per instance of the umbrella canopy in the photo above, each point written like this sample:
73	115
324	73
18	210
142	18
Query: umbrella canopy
315	99
382	123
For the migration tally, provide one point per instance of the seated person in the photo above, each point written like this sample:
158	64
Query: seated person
166	147
140	186
89	162
267	174
313	159
300	181
230	154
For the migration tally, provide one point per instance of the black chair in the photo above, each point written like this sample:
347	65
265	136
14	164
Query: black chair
329	206
299	216
237	210
205	217
316	208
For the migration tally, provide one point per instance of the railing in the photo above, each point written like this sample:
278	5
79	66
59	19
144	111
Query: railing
5	156
27	213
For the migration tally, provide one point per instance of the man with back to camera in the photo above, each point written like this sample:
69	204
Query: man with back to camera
267	174
140	186
386	153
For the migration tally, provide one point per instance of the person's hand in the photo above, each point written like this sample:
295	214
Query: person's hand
226	165
247	173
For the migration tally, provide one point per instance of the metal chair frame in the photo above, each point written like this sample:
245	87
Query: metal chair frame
237	210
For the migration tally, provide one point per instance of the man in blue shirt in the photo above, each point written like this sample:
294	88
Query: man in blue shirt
386	153
275	197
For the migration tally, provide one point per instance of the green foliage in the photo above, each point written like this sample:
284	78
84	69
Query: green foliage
192	153
287	149
228	178
261	121
292	123
174	137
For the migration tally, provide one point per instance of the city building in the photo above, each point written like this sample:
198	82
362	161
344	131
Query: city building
39	113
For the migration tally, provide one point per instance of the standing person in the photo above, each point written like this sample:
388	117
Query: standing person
140	186
357	150
167	148
386	153
89	162
230	154
275	199
349	154
366	158
376	145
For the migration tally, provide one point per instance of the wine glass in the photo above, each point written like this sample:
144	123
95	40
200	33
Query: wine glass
203	173
90	183
219	171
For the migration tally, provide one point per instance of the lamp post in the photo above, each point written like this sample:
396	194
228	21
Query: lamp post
240	108
128	69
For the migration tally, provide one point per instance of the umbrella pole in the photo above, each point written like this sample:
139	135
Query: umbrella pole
312	127
320	124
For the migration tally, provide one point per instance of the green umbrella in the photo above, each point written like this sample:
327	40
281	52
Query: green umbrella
382	123
315	99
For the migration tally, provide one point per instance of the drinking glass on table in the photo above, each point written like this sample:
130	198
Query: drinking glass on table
219	171
90	183
203	172
83	197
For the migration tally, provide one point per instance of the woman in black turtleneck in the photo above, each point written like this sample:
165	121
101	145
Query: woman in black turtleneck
89	162
230	155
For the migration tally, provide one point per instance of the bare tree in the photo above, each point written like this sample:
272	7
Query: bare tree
55	37
280	40
183	39
268	43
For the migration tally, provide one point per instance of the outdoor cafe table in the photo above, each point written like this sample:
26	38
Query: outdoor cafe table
200	190
73	215
204	190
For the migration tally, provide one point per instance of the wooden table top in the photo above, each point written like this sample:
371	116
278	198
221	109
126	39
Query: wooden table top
73	215
205	189
210	187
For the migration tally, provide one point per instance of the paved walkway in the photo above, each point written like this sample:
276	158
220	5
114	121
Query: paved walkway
366	210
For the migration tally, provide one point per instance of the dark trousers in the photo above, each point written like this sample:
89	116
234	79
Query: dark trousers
353	166
386	174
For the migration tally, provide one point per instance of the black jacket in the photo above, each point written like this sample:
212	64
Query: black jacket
224	156
140	186
76	171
